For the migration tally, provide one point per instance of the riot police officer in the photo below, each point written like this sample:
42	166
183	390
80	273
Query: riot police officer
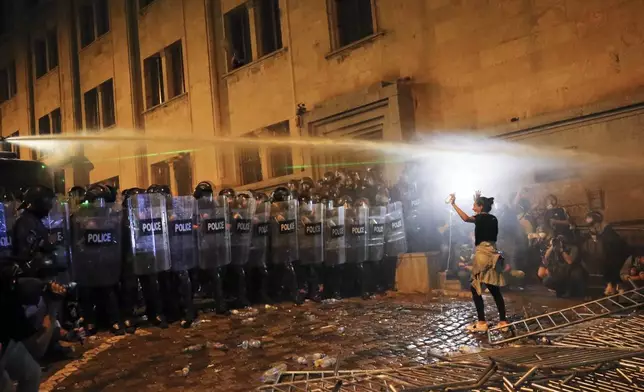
213	239
311	245
148	249
284	239
97	249
32	244
177	283
242	210
260	250
129	287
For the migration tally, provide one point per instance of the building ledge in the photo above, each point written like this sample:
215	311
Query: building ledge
354	45
43	76
255	62
95	42
169	102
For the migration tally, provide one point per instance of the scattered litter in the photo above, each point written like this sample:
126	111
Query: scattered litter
270	307
330	301
272	374
194	348
302	361
248	320
196	323
311	317
341	330
326	362
185	371
253	343
316	356
216	345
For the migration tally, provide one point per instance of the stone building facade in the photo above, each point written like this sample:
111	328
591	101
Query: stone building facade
555	73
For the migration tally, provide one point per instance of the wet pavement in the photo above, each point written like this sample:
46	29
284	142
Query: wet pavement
392	331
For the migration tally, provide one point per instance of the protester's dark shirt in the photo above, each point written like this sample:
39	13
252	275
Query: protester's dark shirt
486	228
558	213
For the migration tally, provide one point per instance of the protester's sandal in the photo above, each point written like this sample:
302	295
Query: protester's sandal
610	289
503	325
480	326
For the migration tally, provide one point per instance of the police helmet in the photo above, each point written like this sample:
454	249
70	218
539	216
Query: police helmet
204	188
96	192
39	199
306	184
261	197
280	194
77	192
362	202
228	192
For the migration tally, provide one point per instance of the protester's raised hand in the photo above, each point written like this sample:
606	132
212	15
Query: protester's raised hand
477	194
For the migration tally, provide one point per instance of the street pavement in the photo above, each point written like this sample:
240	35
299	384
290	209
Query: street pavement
385	332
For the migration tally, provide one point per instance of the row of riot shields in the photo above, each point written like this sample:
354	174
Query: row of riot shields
315	234
158	233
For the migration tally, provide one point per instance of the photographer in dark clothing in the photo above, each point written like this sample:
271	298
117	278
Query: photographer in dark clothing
604	251
32	250
561	270
18	289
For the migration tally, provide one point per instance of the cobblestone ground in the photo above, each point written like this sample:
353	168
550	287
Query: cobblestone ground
392	331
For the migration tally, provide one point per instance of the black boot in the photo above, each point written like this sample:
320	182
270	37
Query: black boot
264	286
242	297
218	288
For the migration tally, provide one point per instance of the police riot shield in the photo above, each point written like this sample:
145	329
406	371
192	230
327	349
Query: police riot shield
396	242
149	250
183	236
376	233
335	236
97	245
241	234
310	232
357	232
259	248
213	238
8	215
57	223
284	228
416	240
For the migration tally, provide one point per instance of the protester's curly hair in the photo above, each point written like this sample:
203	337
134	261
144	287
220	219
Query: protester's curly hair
485	203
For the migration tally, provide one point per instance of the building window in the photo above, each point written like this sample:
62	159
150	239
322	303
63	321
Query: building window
6	16
353	20
176	85
10	147
269	29
46	53
160	84
161	173
153	69
145	3
237	25
50	124
281	158
92	120
99	106
183	175
250	165
8	88
94	21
